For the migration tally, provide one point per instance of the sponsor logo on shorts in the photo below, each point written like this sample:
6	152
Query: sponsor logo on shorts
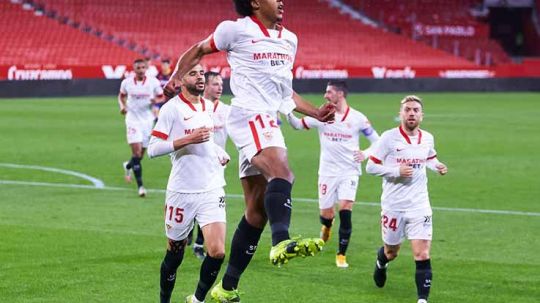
268	136
168	226
221	203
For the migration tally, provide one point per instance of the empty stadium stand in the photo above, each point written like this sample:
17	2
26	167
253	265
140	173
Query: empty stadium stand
403	16
27	38
165	28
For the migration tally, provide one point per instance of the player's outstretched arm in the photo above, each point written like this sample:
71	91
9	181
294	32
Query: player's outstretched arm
186	62
294	121
325	113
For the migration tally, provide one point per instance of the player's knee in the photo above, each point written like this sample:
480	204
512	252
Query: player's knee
421	256
281	170
216	251
176	247
328	213
391	254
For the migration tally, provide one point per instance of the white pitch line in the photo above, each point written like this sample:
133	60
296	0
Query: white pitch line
97	183
238	196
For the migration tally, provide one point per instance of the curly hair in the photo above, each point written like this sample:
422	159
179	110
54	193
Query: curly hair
243	7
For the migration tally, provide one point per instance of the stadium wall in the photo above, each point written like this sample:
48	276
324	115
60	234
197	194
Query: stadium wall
97	87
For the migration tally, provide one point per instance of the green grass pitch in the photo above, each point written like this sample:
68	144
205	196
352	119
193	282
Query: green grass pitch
66	244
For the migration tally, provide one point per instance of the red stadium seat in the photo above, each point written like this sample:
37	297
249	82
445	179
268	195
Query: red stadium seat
30	39
169	27
402	15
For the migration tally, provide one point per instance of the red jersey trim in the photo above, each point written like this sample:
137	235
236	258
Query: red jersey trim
375	160
346	114
186	101
216	103
255	135
304	123
280	30
213	44
123	94
160	135
432	157
261	26
404	134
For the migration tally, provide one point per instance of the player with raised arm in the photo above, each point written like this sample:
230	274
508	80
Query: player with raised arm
213	88
261	54
135	99
401	157
195	187
339	165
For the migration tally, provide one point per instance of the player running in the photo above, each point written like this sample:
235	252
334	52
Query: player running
213	88
401	157
195	187
339	165
261	54
135	99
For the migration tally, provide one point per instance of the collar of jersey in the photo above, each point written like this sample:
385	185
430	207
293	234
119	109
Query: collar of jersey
263	28
193	108
135	80
407	138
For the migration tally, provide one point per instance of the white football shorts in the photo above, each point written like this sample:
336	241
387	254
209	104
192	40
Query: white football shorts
139	132
335	188
182	208
413	225
252	132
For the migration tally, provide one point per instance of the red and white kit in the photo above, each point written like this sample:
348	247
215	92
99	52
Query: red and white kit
339	169
261	63
139	116
406	211
195	186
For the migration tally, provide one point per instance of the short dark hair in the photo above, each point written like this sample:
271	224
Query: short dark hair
210	74
139	60
243	7
339	85
166	61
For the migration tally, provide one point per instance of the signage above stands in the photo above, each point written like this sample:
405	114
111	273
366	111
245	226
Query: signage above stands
529	68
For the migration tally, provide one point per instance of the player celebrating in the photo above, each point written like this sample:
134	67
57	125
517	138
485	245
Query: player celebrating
261	54
339	165
401	157
195	187
135	99
213	89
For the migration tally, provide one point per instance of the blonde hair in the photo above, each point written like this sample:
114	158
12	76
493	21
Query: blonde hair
412	98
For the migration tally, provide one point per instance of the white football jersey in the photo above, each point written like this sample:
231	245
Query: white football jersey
139	96
340	141
195	167
394	148
220	114
261	62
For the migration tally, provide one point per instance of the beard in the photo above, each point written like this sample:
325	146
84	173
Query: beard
411	125
193	90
